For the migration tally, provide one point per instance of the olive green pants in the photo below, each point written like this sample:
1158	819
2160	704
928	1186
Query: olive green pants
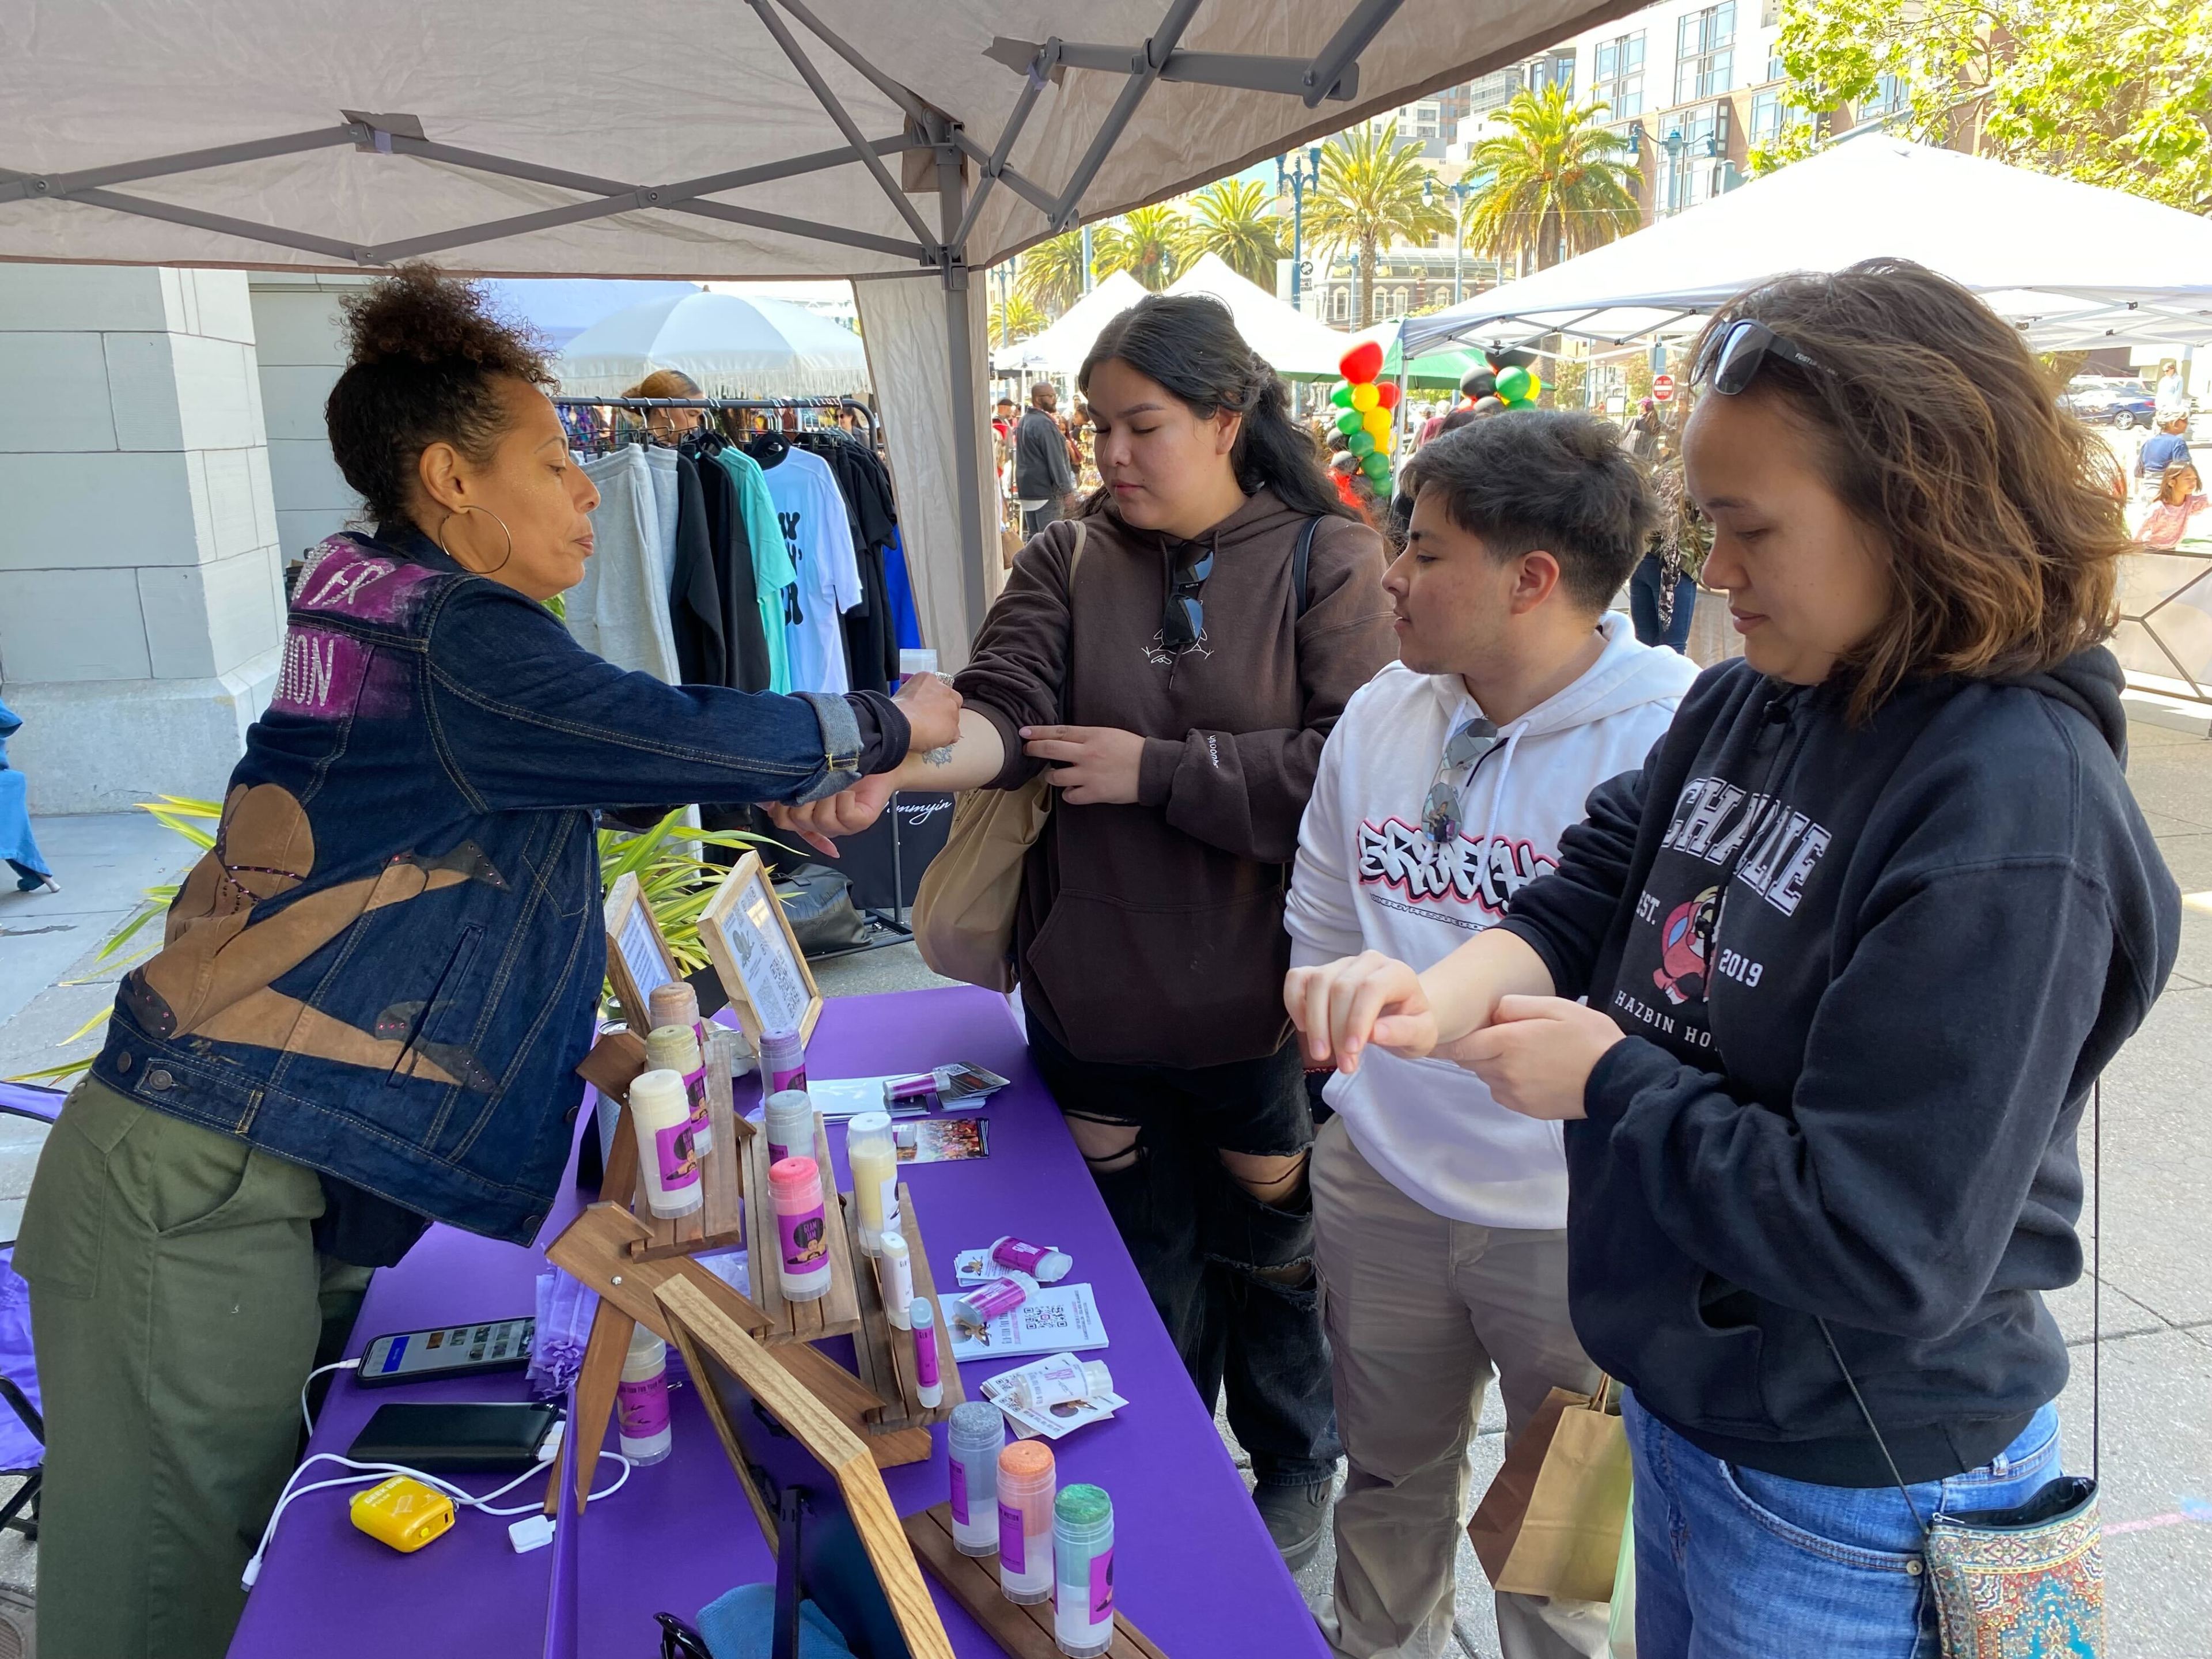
176	1304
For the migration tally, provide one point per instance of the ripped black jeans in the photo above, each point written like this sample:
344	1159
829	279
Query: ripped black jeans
1232	1276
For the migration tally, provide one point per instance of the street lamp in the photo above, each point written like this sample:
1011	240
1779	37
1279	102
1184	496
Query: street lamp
1289	174
1459	193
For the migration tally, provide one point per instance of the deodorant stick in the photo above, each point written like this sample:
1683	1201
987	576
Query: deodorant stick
1026	1490
642	1399
675	1048
783	1061
788	1123
974	1436
801	1229
661	1113
895	1264
929	1386
1042	1262
1082	1577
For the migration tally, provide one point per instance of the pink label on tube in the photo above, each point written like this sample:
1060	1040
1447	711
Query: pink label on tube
1010	1539
679	1164
694	1090
778	1080
999	1296
1102	1586
776	1154
1022	1258
925	1356
806	1239
960	1492
642	1409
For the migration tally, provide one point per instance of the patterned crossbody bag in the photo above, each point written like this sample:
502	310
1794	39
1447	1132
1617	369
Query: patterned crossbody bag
2027	1581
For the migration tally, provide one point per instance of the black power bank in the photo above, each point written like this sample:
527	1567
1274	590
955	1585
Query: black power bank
443	1438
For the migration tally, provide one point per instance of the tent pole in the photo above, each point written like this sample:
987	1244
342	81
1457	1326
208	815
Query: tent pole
990	169
960	348
1023	187
1344	48
1139	83
917	110
836	112
60	186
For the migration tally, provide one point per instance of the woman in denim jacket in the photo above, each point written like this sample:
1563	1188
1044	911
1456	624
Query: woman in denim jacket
374	989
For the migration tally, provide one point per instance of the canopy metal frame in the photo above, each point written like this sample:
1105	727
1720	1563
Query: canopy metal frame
1332	73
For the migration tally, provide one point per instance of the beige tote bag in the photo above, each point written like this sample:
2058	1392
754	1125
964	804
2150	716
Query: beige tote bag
963	910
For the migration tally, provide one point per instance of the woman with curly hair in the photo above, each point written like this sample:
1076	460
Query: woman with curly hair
375	989
1857	940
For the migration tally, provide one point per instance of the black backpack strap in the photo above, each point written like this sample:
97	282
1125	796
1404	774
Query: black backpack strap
1301	561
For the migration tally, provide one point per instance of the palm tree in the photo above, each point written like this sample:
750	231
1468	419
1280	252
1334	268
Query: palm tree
1236	220
1015	318
1559	181
1050	274
1369	194
1147	242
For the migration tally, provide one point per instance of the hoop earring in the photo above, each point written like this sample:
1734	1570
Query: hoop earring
440	538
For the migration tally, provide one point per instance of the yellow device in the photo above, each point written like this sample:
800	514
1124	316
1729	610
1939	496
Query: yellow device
403	1513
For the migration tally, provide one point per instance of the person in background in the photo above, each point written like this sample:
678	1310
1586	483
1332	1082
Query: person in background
668	425
2172	393
2179	518
1857	939
1044	480
2169	444
1645	433
1179	687
1439	1216
17	844
1002	419
1663	594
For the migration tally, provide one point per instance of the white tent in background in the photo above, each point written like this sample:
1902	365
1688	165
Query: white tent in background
732	346
2073	266
1062	348
909	146
1297	345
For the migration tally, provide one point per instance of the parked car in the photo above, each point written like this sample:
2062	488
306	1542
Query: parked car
2121	404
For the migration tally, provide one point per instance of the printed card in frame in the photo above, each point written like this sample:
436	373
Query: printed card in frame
756	955
638	956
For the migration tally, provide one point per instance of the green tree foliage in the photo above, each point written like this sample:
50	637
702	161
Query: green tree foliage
1559	181
1236	220
1015	318
1050	274
1369	196
1150	243
2114	92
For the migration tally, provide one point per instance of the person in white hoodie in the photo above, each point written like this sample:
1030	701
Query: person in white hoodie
1440	1217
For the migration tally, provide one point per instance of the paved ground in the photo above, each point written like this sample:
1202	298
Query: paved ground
2157	1294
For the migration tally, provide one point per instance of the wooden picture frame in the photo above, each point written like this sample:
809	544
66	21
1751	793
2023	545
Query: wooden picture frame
756	955
703	1331
635	946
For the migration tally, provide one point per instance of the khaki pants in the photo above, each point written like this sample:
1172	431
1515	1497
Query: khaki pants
177	1302
1418	1310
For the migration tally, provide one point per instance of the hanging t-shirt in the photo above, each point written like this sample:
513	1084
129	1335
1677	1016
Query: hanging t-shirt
772	570
620	609
817	534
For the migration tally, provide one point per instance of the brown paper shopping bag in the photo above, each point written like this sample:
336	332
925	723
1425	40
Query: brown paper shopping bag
1552	1521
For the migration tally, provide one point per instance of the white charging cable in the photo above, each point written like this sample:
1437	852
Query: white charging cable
321	1370
373	1472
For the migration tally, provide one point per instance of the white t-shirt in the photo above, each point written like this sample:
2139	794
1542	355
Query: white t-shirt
818	533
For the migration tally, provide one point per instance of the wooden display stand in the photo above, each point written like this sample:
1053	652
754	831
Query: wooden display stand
838	1310
885	1352
972	1581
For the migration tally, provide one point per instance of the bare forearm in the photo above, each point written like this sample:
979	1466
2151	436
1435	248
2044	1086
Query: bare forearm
1463	989
971	763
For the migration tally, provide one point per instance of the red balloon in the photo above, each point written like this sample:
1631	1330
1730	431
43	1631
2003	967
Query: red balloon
1362	364
1386	394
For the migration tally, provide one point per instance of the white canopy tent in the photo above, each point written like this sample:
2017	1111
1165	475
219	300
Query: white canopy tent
731	346
1297	345
780	138
1060	348
2071	265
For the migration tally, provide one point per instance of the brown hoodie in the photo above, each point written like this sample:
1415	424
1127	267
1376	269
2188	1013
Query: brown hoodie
1152	933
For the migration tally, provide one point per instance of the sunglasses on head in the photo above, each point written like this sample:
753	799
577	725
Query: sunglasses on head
1184	620
1732	358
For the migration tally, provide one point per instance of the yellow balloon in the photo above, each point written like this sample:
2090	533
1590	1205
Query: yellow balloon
1376	420
1364	398
1385	442
1535	386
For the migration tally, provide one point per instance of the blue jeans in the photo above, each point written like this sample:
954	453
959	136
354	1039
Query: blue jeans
1732	1564
1643	605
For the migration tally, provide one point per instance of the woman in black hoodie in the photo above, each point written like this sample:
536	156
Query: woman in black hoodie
1855	940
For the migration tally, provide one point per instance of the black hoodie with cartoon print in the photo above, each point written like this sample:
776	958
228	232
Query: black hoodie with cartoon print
1869	974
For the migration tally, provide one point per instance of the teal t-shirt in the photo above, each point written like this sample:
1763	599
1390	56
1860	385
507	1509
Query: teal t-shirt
772	570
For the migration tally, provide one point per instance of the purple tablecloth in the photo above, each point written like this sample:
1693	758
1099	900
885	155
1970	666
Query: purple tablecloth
1193	1564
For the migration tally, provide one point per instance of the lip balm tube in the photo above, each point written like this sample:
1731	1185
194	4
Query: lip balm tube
1082	1577
661	1113
804	1270
1026	1490
873	1159
987	1302
1045	1263
897	1268
783	1061
788	1123
642	1399
922	1087
973	1438
928	1388
675	1048
1058	1381
673	1004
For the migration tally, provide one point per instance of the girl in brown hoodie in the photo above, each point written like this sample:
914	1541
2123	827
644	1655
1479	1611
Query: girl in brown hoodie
1180	686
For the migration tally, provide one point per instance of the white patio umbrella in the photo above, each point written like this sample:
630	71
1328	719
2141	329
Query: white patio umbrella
1060	348
2067	261
1298	346
732	346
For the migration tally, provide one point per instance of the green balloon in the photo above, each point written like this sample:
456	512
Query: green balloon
1361	444
1513	383
1520	403
1377	468
1342	395
1350	422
